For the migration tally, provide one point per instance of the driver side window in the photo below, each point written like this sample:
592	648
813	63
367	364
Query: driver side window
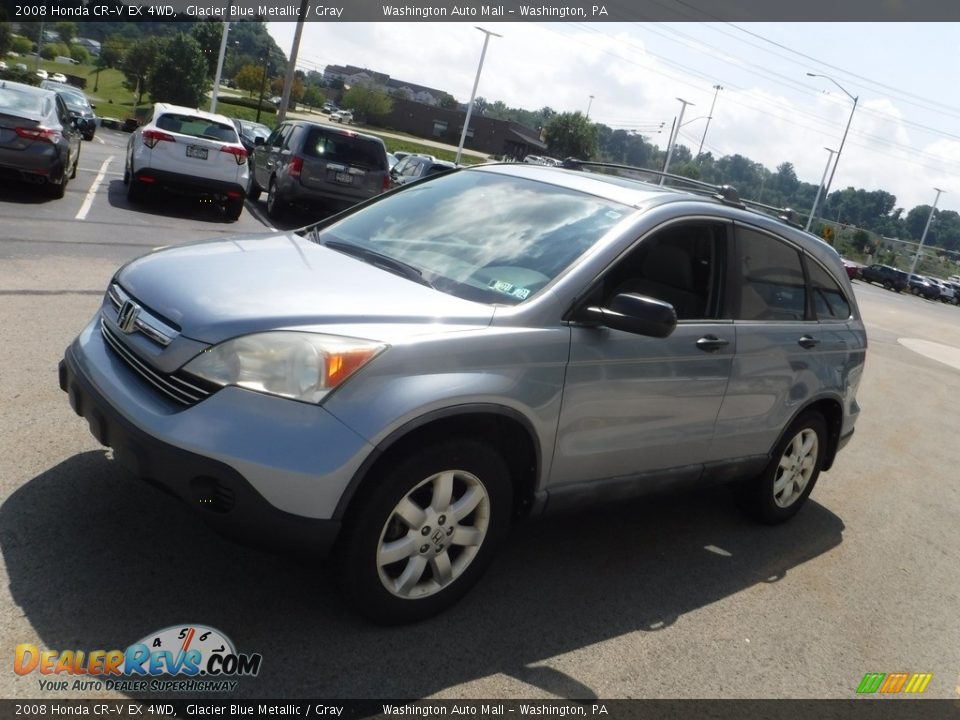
682	264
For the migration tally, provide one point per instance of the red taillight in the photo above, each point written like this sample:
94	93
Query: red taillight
295	166
387	182
152	137
238	151
39	133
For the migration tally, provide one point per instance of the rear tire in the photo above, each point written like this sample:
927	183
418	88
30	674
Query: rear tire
422	531
783	487
233	209
276	205
253	189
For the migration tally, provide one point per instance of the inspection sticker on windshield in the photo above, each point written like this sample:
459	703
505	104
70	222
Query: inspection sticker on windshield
509	289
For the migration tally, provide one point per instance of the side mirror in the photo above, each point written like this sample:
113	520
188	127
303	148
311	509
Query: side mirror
636	314
258	141
92	106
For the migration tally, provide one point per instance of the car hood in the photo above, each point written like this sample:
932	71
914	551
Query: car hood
221	289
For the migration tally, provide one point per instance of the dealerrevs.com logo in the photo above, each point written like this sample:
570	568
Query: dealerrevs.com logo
180	658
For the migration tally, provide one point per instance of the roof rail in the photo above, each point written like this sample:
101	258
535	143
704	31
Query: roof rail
726	194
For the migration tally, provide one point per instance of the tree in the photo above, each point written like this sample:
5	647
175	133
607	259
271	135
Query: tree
208	35
20	44
249	78
80	54
571	135
6	34
366	101
111	53
313	96
448	102
66	30
178	74
49	52
137	63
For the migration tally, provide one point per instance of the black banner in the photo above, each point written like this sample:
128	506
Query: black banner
854	709
483	10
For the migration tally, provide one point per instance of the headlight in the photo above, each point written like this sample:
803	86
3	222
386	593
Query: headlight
298	365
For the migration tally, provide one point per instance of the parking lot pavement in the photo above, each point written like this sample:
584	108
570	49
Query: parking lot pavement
670	597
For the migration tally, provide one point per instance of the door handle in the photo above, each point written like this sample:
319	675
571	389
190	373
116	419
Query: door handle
711	343
808	341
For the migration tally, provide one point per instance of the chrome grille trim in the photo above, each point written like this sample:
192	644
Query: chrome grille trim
152	327
172	386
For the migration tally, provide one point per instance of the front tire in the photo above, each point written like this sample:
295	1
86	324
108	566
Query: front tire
233	209
785	484
425	530
253	189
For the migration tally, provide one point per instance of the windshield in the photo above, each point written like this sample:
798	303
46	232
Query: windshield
481	236
254	130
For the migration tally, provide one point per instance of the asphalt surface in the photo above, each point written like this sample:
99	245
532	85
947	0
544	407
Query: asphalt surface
670	597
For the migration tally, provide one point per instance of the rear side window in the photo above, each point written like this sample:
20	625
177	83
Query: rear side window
772	286
829	302
347	149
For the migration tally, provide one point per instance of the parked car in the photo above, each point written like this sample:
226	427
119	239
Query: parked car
944	291
303	163
329	107
412	377
20	67
59	77
342	116
41	73
955	286
853	269
414	167
3	65
249	132
39	139
920	285
77	103
392	160
889	277
189	152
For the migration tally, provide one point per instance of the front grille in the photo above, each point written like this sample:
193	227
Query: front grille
173	386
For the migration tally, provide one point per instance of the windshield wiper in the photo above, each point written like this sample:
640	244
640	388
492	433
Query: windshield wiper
384	262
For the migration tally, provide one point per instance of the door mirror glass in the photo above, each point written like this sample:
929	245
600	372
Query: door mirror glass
636	314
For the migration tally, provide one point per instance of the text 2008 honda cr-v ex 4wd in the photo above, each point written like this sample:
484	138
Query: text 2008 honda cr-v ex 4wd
403	381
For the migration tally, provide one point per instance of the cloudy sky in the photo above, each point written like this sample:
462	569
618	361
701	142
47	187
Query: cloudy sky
905	134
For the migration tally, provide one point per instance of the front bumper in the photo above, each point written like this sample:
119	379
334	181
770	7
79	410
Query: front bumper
265	471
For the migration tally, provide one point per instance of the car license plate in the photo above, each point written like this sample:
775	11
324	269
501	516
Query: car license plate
345	178
195	151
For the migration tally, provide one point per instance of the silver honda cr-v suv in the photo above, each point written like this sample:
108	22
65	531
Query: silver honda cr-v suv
409	377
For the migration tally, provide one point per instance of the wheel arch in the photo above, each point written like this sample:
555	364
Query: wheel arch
507	429
831	409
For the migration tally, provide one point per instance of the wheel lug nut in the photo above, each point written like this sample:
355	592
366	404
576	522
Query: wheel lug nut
441	520
425	530
424	548
449	531
439	547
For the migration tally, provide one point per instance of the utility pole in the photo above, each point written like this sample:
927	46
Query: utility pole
913	265
589	105
843	140
717	89
292	66
223	51
263	82
673	137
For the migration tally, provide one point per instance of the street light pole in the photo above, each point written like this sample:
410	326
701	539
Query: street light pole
913	265
673	137
263	82
473	94
717	89
589	105
223	51
820	187
826	191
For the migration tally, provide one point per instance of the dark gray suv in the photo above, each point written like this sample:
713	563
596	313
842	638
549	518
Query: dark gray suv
405	380
313	165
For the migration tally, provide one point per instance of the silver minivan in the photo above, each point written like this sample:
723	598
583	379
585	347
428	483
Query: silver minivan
405	380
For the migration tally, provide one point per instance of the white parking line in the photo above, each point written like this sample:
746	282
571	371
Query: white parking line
88	200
